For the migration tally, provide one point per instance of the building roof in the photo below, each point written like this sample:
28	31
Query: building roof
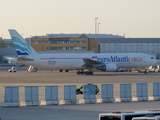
91	36
83	36
129	40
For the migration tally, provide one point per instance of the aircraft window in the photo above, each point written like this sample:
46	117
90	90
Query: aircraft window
151	57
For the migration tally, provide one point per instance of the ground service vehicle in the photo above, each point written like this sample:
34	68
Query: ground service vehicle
147	117
126	115
13	69
80	90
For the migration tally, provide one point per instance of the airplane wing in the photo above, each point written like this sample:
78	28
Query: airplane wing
93	63
16	59
11	59
24	59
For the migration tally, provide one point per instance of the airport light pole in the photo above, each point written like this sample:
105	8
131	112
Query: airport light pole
30	40
42	45
96	28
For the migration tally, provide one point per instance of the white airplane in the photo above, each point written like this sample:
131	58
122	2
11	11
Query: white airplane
108	62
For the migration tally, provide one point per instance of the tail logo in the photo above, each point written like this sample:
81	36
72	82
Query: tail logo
22	48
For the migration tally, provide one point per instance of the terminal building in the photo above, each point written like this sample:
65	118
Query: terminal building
130	45
69	42
65	44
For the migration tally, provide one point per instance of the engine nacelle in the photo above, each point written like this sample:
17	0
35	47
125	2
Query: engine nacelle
108	67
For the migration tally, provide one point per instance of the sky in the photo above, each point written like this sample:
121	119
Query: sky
132	18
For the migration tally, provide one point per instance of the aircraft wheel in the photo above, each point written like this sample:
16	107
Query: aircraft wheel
60	70
82	72
145	72
66	70
78	72
86	72
90	73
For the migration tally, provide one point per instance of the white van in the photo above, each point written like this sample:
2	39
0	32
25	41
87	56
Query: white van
126	115
13	69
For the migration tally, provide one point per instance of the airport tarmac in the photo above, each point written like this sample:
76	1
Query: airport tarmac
78	111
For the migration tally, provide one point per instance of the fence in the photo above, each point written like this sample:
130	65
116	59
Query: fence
54	95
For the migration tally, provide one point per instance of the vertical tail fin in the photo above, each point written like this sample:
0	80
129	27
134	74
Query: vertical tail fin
21	46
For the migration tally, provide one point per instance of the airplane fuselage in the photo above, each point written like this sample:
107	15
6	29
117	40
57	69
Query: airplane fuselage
76	61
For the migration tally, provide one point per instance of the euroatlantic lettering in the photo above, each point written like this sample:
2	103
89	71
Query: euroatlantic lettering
120	59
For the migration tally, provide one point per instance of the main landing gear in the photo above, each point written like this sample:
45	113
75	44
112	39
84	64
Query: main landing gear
145	72
84	72
66	70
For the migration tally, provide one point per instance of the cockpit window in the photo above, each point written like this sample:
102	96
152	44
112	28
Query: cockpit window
151	57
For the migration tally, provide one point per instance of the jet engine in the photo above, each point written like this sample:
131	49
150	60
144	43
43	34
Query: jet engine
108	67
